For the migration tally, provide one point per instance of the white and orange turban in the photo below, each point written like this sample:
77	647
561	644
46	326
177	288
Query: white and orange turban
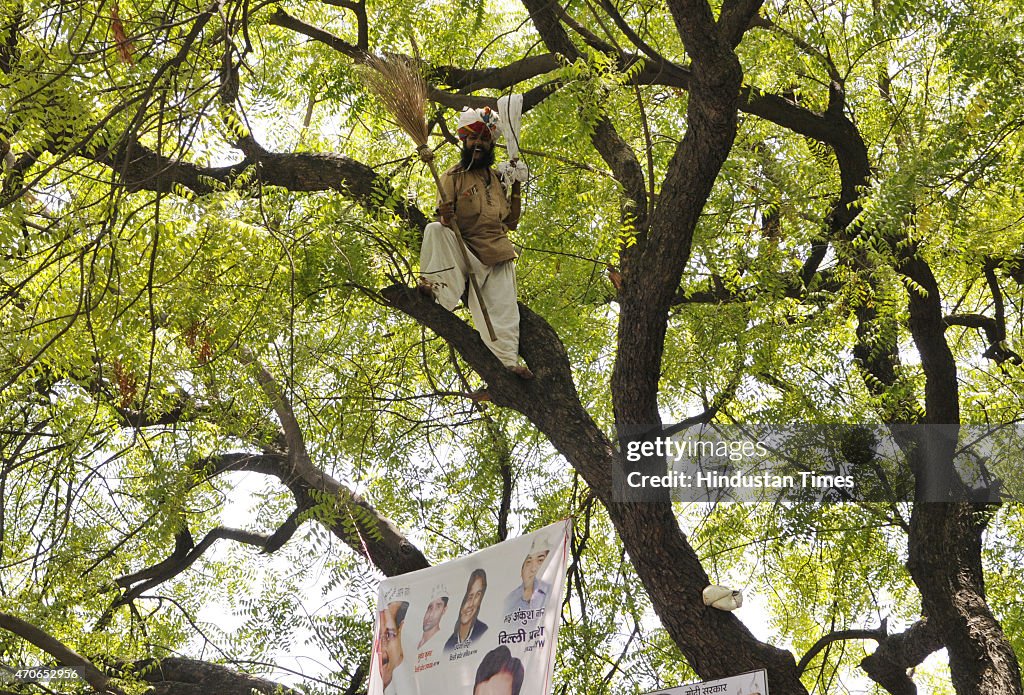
475	120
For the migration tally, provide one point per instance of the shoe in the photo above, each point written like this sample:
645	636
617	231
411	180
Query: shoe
521	371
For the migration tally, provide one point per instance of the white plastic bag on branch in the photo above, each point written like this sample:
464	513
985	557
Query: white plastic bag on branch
722	598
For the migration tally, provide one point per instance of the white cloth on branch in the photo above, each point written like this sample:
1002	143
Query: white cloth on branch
510	108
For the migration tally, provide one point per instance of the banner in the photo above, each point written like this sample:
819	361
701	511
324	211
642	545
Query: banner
485	624
752	683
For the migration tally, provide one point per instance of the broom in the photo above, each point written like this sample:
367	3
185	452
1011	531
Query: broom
403	92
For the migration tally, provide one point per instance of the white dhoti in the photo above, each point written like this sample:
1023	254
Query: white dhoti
441	263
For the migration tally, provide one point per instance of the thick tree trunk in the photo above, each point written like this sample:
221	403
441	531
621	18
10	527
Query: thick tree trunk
715	643
945	562
945	532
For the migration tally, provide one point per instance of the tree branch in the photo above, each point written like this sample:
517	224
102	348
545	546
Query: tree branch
185	555
299	171
715	291
353	519
183	545
9	48
877	634
282	19
59	651
621	159
994	334
181	676
139	419
357	7
635	38
503	77
735	18
898	653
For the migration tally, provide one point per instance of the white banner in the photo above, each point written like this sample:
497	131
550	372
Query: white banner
484	624
753	683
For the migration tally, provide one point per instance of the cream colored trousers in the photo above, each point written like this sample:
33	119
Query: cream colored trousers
441	263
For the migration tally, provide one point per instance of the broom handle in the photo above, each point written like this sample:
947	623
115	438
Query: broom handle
454	226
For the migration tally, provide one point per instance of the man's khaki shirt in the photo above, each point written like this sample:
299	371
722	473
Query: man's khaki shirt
482	212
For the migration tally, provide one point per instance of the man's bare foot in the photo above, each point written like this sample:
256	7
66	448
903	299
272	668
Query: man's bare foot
426	288
521	371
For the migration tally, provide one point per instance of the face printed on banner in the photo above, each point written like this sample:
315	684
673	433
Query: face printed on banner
392	619
499	684
499	673
474	597
435	611
531	566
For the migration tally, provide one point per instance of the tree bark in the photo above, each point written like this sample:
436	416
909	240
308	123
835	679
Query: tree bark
179	676
945	562
896	654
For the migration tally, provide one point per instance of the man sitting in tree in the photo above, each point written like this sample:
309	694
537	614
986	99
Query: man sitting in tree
474	195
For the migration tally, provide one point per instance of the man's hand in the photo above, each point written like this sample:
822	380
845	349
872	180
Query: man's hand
445	212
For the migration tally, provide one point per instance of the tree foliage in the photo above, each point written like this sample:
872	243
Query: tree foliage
738	212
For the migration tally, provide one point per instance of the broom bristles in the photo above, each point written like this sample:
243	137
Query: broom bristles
403	92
